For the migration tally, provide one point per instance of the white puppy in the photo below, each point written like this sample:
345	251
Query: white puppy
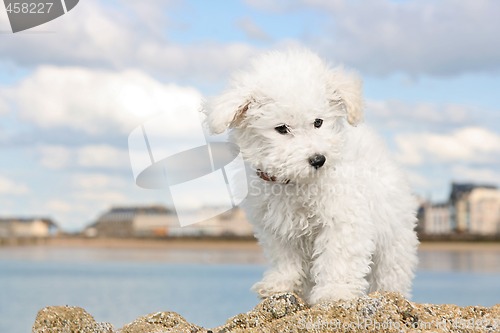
333	213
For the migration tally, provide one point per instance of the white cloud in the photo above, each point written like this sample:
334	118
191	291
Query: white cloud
4	109
4	21
416	37
79	35
206	61
380	37
397	113
96	181
409	152
102	156
120	36
58	206
464	144
55	157
430	113
58	157
417	180
468	144
10	187
109	197
96	101
475	174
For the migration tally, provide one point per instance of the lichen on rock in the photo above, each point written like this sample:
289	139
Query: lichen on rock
68	319
377	312
161	322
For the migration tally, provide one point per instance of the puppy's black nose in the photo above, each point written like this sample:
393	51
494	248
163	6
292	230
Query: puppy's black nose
317	160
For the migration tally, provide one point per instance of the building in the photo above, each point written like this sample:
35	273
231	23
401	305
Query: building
472	209
436	219
159	221
133	222
471	204
483	211
27	228
232	223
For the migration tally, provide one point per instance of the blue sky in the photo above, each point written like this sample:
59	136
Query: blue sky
431	73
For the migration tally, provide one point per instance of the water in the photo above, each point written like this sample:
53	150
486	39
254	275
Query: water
120	292
119	285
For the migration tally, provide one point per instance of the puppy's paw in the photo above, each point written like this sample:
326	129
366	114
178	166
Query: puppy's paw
268	287
331	293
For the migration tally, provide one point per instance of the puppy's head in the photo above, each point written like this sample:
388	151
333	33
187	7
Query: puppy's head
288	113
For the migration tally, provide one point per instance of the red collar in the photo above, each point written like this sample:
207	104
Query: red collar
268	178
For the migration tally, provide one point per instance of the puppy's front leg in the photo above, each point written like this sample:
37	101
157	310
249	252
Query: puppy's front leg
341	261
286	272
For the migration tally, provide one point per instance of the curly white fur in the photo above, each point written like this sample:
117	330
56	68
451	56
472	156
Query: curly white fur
332	232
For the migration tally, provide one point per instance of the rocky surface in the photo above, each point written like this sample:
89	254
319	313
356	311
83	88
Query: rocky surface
55	319
387	312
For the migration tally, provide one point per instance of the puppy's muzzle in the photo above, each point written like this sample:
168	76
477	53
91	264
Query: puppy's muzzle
317	160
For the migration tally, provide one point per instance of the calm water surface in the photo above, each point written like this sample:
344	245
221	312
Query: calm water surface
206	287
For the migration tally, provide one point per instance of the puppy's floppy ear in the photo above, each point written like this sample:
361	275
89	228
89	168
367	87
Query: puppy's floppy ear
227	110
346	93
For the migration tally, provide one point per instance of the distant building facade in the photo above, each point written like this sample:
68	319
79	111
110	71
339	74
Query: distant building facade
27	228
132	222
159	221
232	223
436	219
472	209
483	206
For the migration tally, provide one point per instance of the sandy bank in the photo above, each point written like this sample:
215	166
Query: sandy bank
152	243
388	312
216	244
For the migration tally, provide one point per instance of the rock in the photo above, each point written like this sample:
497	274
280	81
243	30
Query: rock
270	309
66	319
161	322
378	312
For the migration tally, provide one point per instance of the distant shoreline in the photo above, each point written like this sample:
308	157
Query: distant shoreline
139	243
208	243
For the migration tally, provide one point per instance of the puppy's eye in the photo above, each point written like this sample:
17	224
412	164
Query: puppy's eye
282	129
318	123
